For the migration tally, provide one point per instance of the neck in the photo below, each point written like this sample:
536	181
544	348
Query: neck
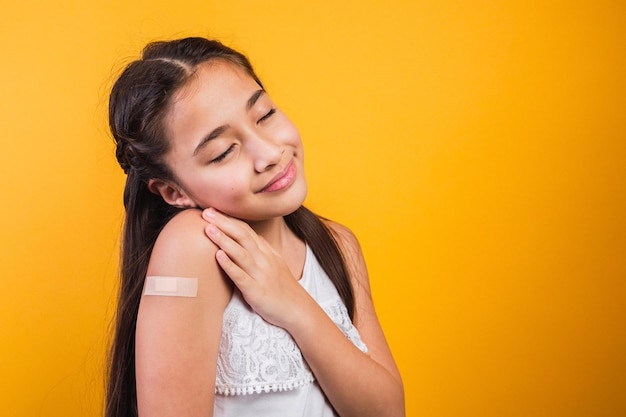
275	231
283	241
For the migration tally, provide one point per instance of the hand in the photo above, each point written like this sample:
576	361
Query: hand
259	272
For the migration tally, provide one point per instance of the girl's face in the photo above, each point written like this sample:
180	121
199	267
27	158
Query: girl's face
231	148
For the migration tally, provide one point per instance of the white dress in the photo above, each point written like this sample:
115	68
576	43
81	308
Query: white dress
260	369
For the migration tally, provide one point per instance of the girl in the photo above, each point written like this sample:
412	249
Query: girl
274	315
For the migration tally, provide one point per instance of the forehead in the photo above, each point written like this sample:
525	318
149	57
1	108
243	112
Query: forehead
217	79
215	95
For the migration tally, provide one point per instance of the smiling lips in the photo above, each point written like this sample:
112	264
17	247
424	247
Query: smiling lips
283	180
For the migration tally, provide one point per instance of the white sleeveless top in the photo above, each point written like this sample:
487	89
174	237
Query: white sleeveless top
260	369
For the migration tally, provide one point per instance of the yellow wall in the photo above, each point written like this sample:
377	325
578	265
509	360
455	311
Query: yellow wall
476	147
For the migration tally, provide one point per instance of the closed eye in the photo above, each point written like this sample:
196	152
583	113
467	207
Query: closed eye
224	155
267	115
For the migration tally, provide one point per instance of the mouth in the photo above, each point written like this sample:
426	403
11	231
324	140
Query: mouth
283	179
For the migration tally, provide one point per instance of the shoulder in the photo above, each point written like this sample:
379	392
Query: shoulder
182	248
346	239
186	225
352	254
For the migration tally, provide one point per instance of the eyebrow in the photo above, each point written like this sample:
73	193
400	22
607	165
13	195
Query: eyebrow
214	134
254	98
221	129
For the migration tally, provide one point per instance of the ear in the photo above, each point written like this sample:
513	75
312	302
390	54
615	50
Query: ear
172	194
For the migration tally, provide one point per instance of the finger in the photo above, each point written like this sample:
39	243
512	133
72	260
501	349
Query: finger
231	247
237	275
215	216
235	252
236	229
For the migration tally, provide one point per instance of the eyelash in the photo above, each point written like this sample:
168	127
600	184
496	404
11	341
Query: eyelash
224	155
267	116
232	147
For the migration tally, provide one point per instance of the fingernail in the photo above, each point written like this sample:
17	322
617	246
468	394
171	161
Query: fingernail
213	230
209	213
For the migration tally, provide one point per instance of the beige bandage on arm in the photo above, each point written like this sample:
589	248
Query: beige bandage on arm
171	286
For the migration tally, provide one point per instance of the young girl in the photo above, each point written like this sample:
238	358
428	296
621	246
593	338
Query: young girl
235	300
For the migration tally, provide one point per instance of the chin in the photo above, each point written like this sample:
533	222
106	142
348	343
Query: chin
288	205
299	196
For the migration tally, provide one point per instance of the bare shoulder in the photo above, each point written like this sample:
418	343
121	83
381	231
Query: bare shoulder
186	229
351	251
182	247
346	239
183	250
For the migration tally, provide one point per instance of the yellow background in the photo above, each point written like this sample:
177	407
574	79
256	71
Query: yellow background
477	148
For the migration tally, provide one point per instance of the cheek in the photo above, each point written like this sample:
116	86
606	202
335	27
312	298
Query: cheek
221	190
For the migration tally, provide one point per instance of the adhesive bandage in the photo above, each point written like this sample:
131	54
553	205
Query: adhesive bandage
171	286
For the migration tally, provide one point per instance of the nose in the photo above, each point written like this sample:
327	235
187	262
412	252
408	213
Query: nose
266	153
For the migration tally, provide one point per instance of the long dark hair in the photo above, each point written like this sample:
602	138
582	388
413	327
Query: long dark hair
138	103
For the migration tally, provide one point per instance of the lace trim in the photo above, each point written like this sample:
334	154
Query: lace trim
337	311
256	356
263	388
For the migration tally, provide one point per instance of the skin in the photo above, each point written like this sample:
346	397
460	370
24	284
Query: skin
248	246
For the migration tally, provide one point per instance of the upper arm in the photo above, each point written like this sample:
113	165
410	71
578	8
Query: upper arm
365	318
177	338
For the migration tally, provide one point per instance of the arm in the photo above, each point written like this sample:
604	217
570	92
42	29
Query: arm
366	321
355	383
177	338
